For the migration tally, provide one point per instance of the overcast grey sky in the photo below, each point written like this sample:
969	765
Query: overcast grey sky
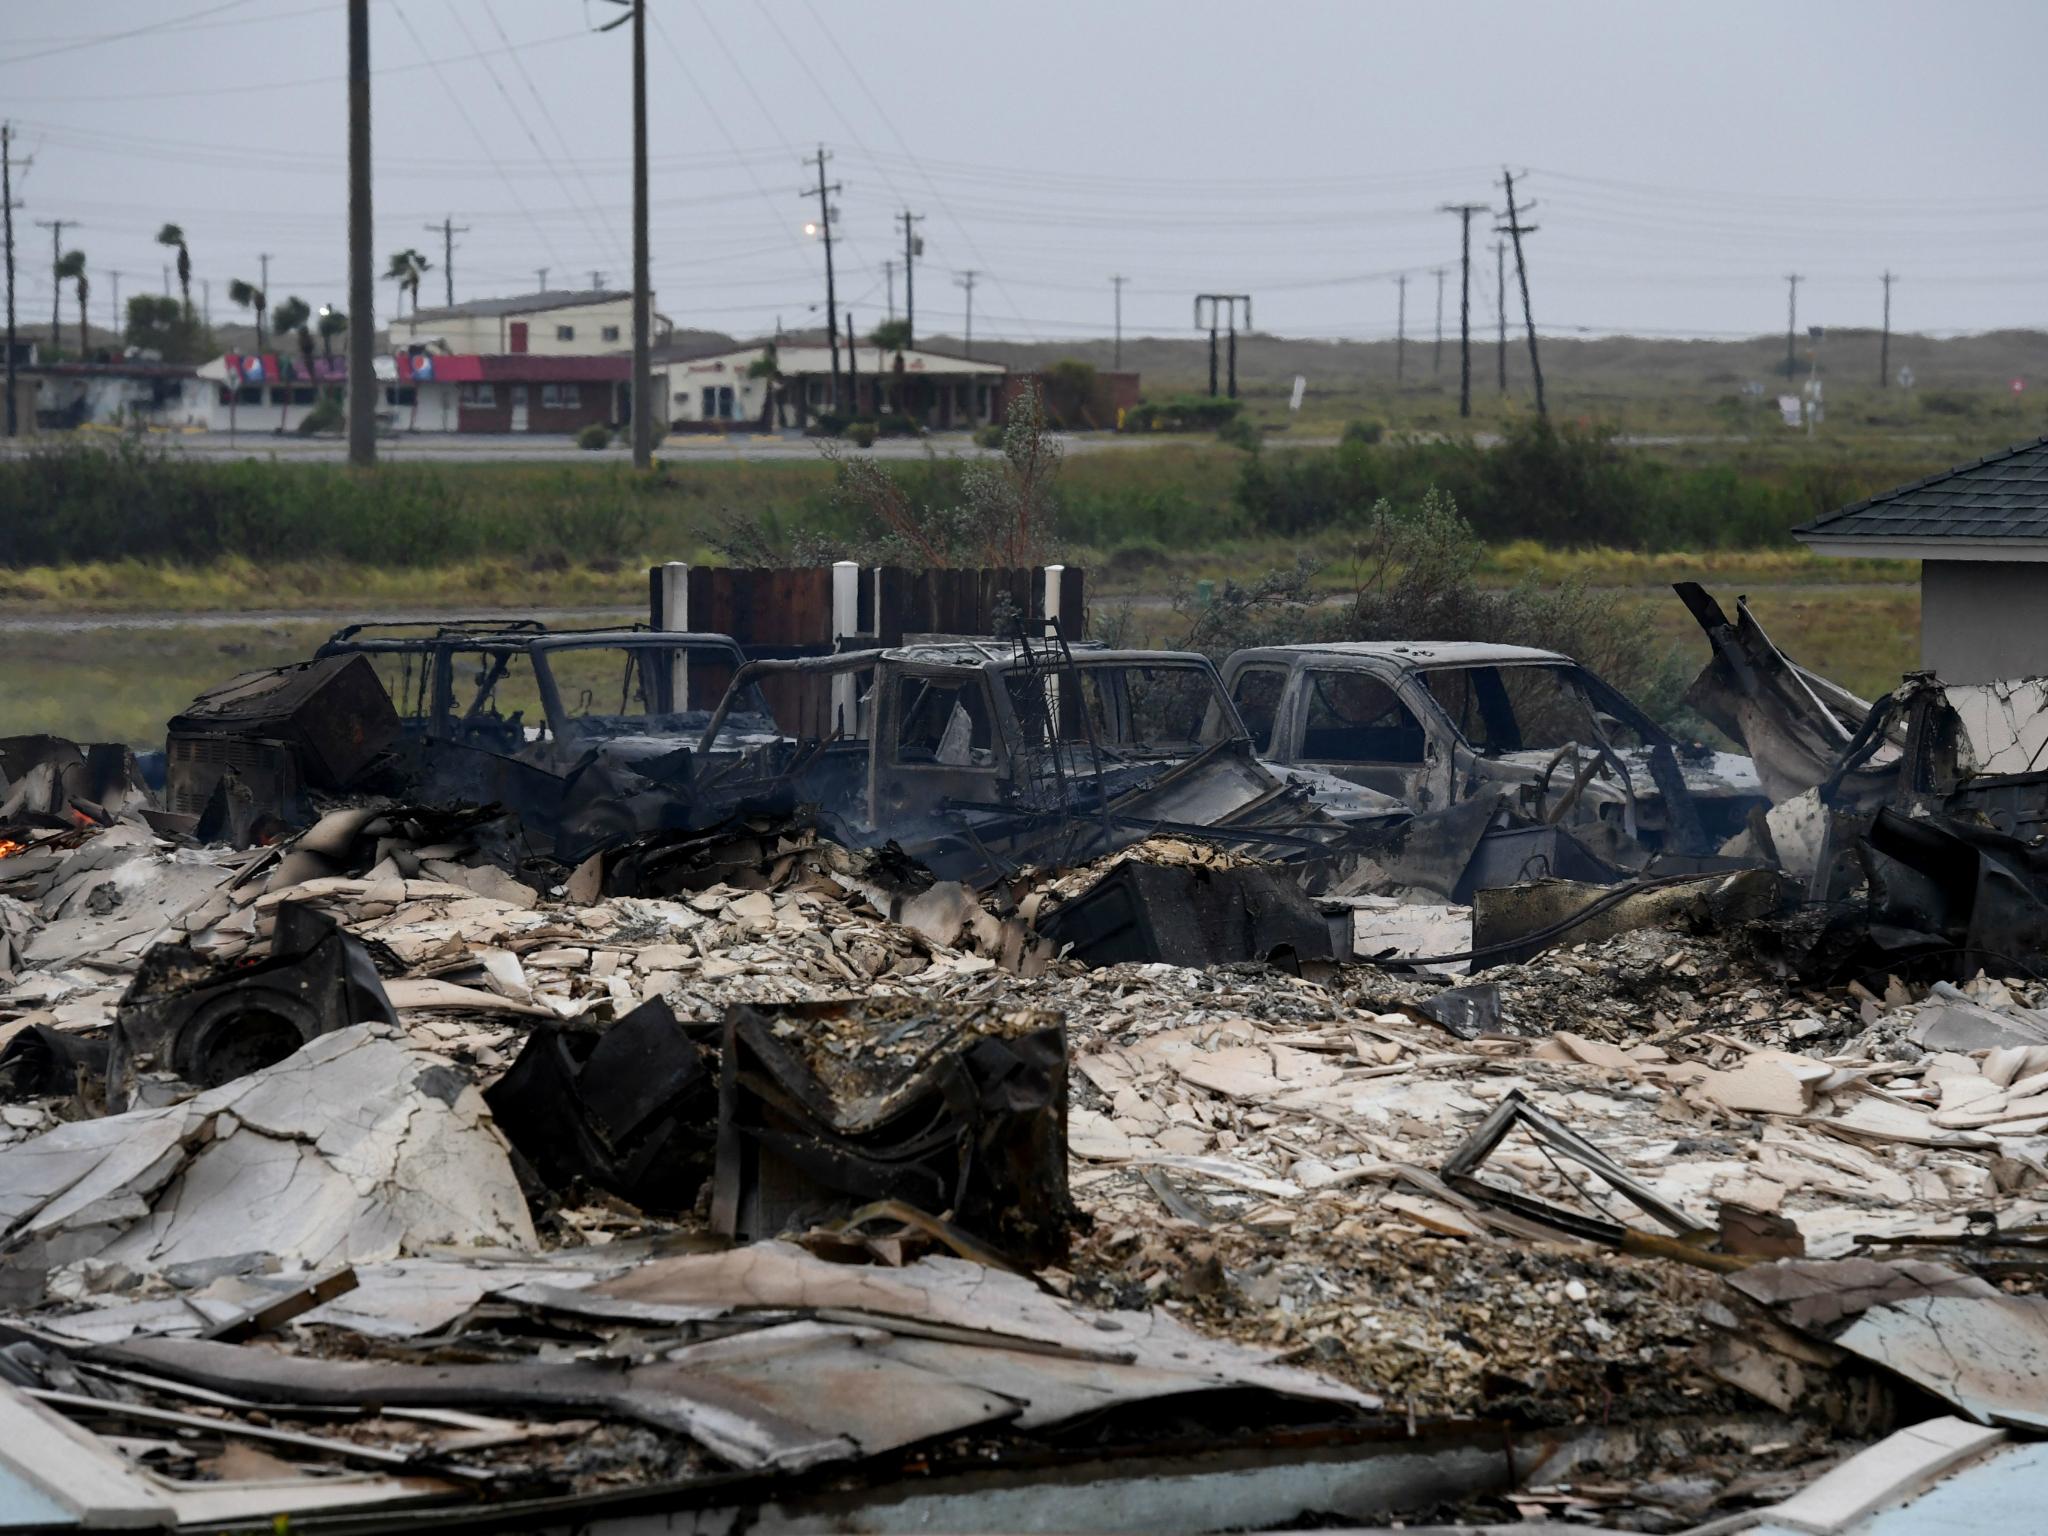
1684	157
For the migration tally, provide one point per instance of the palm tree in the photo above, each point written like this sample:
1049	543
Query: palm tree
333	323
295	314
174	237
893	336
768	367
71	267
407	268
249	296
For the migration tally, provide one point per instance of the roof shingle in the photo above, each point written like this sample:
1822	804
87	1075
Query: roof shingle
2002	496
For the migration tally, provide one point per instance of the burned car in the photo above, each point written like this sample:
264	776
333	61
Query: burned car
1436	724
481	710
1007	748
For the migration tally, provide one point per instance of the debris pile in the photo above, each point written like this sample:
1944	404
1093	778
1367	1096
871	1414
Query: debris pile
1177	1146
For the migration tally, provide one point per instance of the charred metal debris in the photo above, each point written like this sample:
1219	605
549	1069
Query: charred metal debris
510	1078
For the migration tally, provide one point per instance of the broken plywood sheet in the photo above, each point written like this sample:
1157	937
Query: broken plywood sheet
352	1149
1985	1355
1894	1469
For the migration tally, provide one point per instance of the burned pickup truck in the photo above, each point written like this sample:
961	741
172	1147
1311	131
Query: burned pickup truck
1436	724
981	754
486	710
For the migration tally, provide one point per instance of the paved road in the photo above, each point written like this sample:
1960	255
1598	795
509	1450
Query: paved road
680	449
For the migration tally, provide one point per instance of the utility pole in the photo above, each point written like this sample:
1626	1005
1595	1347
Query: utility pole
263	261
56	227
1500	293
541	279
824	195
1464	211
1401	332
643	260
1117	283
447	229
889	281
362	290
1884	347
1792	282
1436	360
7	219
114	281
966	281
1217	303
1514	229
206	301
596	280
913	247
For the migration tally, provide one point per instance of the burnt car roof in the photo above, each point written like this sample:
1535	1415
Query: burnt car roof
1003	653
1412	654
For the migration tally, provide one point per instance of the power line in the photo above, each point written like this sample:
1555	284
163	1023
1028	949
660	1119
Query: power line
454	98
525	127
561	139
966	236
170	24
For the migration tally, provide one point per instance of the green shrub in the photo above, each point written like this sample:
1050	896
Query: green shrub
327	416
1364	433
1240	432
1183	413
595	437
861	434
990	436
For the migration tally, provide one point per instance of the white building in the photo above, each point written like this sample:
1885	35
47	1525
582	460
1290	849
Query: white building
559	321
714	390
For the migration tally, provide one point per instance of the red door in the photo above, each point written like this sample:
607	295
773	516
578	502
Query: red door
518	335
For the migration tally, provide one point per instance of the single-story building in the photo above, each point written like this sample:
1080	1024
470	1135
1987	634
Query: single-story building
1980	533
121	392
420	391
715	391
560	322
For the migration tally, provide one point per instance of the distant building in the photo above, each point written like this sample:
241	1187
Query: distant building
122	392
1980	533
712	390
419	392
557	321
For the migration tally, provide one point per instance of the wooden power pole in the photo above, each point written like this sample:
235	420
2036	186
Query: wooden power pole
1514	229
1464	211
362	291
447	229
1884	347
824	195
1401	331
1792	282
7	218
1500	294
913	247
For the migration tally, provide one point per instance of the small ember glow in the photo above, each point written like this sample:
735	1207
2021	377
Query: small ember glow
8	847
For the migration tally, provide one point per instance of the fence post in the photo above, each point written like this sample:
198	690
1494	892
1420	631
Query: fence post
1055	586
672	611
845	623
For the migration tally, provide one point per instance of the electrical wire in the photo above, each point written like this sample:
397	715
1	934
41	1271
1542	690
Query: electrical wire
169	24
477	133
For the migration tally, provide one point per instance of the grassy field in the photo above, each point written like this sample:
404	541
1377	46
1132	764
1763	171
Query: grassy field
1147	522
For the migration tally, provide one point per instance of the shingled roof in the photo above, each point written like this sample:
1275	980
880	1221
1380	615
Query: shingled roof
2001	498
